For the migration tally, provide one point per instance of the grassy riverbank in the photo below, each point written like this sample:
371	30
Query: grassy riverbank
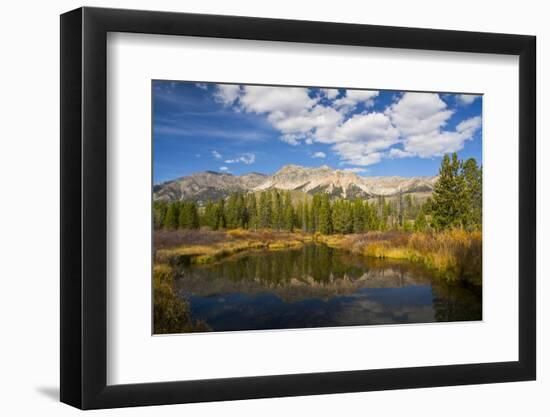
453	254
205	246
171	313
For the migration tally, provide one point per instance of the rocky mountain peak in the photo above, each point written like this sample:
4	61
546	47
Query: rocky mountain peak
310	180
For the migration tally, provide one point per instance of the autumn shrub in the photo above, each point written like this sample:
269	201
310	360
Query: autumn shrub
163	239
170	313
454	254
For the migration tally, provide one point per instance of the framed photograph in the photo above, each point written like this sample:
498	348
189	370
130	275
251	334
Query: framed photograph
257	208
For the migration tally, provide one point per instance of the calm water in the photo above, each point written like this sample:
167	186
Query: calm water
317	286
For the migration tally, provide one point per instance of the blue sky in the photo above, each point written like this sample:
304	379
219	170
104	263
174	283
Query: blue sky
240	128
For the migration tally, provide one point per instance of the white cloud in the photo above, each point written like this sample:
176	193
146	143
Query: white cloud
330	93
433	144
202	86
361	138
357	153
291	139
246	158
320	121
441	142
419	113
283	101
421	119
217	155
469	126
414	121
320	155
353	97
227	93
224	169
373	129
466	99
291	111
398	153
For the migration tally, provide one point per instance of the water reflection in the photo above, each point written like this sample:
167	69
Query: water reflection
317	286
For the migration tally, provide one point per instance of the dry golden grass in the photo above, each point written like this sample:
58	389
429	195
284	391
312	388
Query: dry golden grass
170	313
453	254
234	241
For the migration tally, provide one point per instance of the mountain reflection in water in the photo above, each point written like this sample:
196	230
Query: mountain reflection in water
318	286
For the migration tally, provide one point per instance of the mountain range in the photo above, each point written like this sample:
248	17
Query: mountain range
211	185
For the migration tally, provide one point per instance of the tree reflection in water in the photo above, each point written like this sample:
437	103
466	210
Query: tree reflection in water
318	286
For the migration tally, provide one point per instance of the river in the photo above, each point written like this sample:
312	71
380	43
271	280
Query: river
318	286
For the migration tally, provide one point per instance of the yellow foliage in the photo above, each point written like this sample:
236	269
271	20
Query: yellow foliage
453	254
238	240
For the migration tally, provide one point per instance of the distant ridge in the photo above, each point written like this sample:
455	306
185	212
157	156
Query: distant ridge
207	185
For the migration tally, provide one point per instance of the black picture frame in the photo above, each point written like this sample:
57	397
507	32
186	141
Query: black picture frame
84	207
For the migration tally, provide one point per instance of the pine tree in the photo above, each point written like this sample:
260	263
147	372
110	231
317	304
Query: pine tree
220	215
299	215
338	217
159	212
252	211
288	212
325	224
235	211
408	211
276	211
184	215
241	210
449	197
209	217
231	212
358	213
348	217
171	218
188	216
265	209
420	223
472	175
306	218
314	213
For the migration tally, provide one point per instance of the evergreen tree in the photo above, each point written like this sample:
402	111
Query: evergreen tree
209	217
314	213
348	217
231	212
399	211
188	216
325	223
159	212
252	211
420	223
220	215
338	217
449	197
359	218
171	218
472	175
265	209
299	215
408	209
306	218
288	212
276	211
235	211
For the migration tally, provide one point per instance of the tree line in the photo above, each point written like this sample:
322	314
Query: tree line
455	202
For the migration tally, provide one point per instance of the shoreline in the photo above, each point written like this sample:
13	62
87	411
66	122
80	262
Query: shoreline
453	255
